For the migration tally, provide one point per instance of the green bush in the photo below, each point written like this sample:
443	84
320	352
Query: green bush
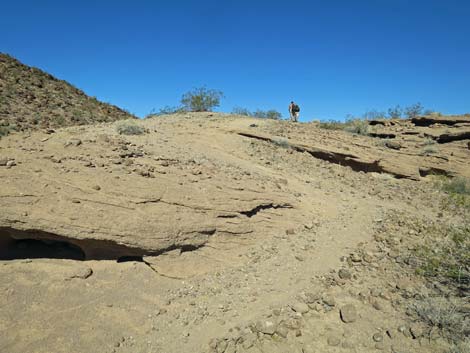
129	128
201	99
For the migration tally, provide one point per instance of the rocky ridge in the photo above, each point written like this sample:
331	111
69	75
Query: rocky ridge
32	99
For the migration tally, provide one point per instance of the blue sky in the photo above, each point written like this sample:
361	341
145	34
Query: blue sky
332	57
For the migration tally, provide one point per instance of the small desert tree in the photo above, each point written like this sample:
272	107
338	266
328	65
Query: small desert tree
413	110
396	112
201	99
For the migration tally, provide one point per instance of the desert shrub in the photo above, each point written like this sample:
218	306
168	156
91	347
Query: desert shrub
445	315
459	186
352	125
281	142
374	114
267	114
166	110
331	125
413	110
395	112
129	128
446	256
201	99
431	112
357	126
461	347
4	131
60	120
458	193
241	111
429	142
429	150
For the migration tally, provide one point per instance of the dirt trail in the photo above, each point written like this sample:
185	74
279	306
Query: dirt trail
236	243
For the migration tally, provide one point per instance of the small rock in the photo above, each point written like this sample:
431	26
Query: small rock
81	273
96	187
75	201
378	337
416	331
329	300
249	340
356	257
394	145
290	231
344	274
73	142
377	305
10	164
266	327
380	346
300	308
311	298
348	313
282	331
308	225
333	341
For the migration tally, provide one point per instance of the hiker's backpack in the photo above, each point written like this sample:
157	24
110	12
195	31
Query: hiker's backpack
296	108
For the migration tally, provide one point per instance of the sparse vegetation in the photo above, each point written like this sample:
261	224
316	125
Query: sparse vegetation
129	127
374	114
241	111
428	142
262	114
281	142
357	126
413	110
352	125
457	186
4	131
201	99
267	114
166	110
445	256
395	112
445	315
430	150
331	125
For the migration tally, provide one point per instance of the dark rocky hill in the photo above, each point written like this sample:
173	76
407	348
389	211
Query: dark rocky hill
32	99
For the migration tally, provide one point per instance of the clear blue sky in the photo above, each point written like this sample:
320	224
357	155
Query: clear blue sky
332	57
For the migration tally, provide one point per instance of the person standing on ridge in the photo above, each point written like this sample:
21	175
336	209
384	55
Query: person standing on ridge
294	112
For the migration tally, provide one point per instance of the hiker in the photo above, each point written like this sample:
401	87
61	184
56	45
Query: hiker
294	112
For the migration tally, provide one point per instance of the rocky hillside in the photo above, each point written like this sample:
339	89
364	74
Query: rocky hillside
31	98
202	232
